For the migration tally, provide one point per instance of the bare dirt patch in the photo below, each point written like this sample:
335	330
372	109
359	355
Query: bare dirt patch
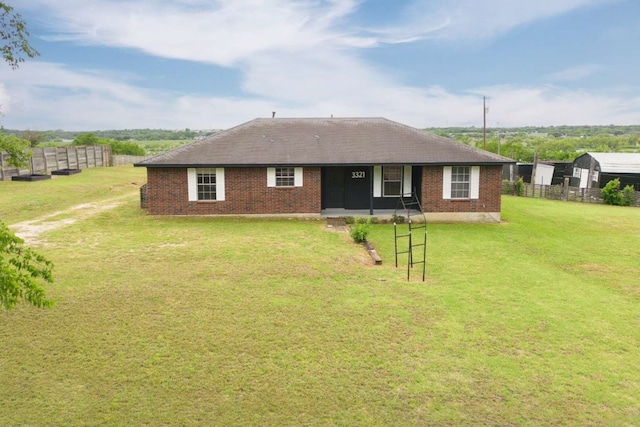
31	230
596	268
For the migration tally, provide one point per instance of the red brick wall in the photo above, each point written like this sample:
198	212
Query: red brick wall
489	197
246	192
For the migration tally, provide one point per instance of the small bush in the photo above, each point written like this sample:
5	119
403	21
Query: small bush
349	220
507	187
611	193
519	187
360	231
398	219
628	196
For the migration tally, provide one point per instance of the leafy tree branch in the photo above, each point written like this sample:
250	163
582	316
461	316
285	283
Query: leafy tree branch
18	149
13	33
22	272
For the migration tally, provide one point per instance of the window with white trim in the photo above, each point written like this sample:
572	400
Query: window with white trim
391	181
285	177
460	182
205	184
206	179
577	172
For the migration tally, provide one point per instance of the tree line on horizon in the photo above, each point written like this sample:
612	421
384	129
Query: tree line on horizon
520	144
549	143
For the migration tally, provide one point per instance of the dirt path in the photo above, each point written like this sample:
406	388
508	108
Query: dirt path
31	230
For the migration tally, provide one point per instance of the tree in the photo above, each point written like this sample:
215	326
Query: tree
117	147
13	33
18	150
86	139
33	136
21	271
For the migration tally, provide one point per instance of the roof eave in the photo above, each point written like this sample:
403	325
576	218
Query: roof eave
361	164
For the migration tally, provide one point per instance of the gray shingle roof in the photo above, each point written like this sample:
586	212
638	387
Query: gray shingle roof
322	141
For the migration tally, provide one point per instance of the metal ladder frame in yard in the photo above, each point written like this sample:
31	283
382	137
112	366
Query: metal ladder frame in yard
415	233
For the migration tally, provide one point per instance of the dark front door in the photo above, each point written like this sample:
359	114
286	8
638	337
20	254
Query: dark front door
357	187
333	187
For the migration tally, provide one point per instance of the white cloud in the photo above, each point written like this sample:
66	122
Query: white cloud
296	57
555	105
81	100
575	73
473	20
51	96
222	32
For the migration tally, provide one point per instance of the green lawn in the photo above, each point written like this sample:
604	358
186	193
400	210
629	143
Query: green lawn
220	321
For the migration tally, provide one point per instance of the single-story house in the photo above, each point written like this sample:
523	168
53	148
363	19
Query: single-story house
595	170
323	166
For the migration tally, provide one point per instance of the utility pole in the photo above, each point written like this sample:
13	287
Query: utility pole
498	130
484	122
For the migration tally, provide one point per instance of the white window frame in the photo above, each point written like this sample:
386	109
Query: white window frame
272	180
192	183
474	183
405	183
577	172
396	170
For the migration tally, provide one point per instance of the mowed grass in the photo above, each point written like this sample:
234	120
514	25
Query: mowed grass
20	201
228	321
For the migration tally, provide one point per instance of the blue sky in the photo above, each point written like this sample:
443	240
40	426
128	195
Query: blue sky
211	64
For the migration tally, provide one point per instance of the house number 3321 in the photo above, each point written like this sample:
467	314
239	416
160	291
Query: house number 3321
357	174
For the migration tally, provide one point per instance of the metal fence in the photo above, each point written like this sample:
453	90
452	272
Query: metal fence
560	192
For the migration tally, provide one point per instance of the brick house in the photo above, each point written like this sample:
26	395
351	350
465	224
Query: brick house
325	165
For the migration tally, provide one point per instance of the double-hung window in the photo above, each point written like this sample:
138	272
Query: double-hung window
285	177
391	181
460	182
205	184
